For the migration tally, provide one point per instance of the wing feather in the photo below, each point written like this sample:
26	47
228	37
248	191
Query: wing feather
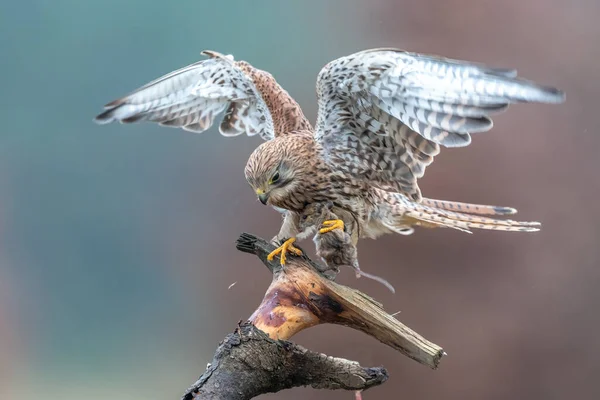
384	113
192	97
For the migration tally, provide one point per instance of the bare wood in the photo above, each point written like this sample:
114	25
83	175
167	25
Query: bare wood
301	296
256	358
248	363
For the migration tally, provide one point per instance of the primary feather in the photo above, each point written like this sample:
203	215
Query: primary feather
191	98
368	96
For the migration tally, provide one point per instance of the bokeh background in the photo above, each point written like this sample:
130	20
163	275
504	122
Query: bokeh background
116	242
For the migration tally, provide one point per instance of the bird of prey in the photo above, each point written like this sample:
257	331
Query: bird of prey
384	114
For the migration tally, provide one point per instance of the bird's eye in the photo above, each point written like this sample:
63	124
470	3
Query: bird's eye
275	177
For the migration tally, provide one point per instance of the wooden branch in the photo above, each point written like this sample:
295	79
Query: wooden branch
300	296
257	359
248	363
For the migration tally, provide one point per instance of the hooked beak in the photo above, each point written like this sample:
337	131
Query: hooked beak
262	196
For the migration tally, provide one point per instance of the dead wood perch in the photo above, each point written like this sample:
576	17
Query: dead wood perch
302	297
249	363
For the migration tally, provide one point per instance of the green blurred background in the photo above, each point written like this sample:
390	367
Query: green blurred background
116	242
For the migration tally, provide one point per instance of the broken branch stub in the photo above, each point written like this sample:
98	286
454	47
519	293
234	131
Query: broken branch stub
300	296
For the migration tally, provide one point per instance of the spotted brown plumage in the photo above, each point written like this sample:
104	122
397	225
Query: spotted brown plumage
384	114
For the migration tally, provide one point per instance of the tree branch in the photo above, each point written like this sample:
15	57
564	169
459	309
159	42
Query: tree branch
248	363
257	359
300	296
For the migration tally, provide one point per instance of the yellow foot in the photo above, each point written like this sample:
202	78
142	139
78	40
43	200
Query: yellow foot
332	224
287	246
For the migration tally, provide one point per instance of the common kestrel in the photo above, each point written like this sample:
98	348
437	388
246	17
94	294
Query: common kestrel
383	116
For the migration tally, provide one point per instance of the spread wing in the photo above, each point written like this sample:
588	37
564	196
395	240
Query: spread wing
384	113
192	97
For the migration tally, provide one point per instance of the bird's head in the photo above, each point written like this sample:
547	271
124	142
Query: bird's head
272	173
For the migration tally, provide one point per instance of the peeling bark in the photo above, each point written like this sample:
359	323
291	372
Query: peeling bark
249	363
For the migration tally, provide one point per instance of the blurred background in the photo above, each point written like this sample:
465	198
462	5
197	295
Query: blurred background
117	242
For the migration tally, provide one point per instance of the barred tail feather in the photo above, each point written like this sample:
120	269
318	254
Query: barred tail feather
468	208
423	215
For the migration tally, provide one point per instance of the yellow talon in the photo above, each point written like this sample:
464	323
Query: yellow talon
287	246
332	224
